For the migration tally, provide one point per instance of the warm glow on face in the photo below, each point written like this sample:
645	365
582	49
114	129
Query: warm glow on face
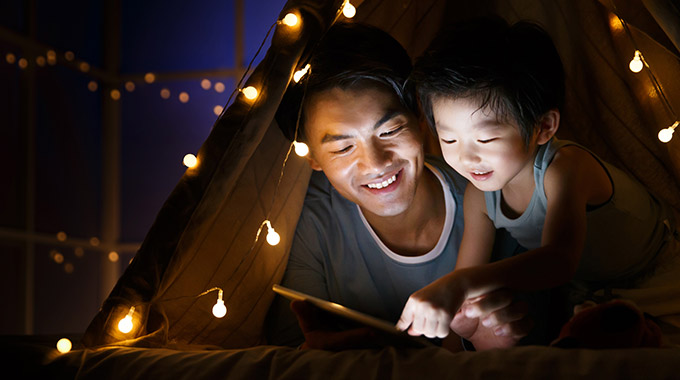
64	345
190	160
149	78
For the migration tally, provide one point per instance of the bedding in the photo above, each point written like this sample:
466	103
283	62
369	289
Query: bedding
271	362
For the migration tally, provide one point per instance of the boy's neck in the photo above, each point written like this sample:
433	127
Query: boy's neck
516	194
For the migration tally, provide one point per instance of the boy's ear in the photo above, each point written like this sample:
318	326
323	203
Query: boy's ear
547	126
312	162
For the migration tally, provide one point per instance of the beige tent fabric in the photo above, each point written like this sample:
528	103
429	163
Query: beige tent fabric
203	235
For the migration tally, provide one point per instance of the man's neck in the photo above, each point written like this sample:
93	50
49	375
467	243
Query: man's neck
416	231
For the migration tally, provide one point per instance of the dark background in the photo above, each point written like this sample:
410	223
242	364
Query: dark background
53	146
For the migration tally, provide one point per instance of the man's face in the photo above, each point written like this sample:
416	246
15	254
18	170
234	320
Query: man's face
489	153
368	145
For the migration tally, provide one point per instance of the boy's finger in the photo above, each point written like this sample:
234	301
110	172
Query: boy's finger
492	302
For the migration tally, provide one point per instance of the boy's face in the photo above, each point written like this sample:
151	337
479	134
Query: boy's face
486	151
368	145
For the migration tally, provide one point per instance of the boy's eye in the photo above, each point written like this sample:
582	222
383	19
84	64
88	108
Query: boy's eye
484	141
392	131
445	141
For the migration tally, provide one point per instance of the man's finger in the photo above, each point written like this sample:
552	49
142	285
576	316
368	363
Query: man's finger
407	316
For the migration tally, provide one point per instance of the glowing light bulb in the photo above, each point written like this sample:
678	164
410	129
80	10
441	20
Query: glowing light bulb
290	20
149	78
125	324
348	10
64	345
219	310
273	238
190	160
301	149
301	73
636	64
250	92
666	134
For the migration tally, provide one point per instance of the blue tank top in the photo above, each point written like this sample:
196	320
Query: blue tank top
623	235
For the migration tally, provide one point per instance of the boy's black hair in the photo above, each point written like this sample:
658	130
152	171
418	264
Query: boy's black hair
515	71
350	55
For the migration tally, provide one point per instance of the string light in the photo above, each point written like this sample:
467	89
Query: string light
290	20
64	345
219	310
666	134
149	78
301	73
273	238
190	160
301	149
348	10
636	63
125	325
250	92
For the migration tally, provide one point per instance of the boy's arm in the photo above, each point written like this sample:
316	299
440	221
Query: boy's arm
424	310
479	233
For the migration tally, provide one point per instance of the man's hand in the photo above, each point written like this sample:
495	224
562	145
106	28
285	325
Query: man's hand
492	320
320	334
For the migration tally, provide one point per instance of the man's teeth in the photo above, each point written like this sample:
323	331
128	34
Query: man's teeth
382	184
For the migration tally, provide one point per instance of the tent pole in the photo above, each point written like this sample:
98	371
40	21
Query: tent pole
111	148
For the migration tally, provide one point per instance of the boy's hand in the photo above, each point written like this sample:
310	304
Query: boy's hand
493	320
319	333
431	310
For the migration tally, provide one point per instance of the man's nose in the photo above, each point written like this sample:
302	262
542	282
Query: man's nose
375	157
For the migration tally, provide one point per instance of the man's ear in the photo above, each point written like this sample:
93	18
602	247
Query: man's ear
547	126
312	162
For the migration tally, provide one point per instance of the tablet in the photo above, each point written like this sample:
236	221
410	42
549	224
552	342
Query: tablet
353	315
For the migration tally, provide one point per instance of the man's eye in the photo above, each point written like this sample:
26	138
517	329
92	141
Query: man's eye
445	141
343	150
392	131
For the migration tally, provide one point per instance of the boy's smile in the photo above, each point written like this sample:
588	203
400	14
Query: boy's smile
490	153
368	145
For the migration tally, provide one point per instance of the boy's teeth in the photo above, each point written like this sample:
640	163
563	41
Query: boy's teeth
382	184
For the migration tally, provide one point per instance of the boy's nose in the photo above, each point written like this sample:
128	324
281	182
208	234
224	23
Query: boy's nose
468	155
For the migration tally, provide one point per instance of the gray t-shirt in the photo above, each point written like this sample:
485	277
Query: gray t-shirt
337	256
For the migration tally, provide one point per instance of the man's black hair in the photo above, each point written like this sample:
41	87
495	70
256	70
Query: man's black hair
349	55
514	71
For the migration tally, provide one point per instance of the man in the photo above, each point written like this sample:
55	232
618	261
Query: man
380	220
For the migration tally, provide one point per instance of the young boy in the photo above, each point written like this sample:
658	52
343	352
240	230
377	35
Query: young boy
493	93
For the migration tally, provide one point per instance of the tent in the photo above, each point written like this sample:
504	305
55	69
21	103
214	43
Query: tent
207	240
